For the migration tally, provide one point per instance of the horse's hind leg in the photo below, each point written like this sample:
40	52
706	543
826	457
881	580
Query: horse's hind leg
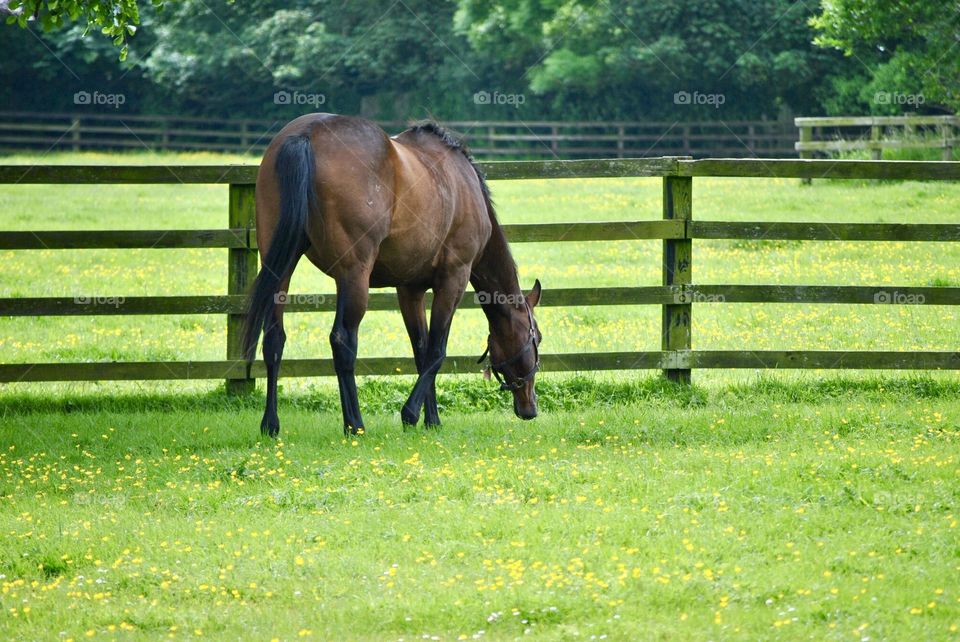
274	339
415	319
352	294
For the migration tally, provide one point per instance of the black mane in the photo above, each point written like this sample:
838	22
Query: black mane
496	255
456	143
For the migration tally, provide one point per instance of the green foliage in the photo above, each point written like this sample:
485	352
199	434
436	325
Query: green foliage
905	46
116	19
629	58
428	58
342	57
569	59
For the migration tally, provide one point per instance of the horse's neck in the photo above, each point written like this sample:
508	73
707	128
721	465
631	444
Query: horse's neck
495	276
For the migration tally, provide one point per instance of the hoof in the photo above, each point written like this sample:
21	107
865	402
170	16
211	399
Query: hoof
270	427
409	417
431	422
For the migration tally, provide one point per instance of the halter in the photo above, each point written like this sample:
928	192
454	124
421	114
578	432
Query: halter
497	368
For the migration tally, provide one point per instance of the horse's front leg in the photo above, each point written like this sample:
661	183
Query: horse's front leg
415	319
352	294
447	292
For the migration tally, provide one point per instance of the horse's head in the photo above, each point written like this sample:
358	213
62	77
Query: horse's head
514	347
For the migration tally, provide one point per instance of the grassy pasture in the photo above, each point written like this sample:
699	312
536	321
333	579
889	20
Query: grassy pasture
795	506
716	326
631	511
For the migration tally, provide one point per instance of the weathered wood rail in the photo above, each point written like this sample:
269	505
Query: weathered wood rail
487	138
823	135
678	294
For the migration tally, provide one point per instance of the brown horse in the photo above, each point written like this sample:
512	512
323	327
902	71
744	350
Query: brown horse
412	211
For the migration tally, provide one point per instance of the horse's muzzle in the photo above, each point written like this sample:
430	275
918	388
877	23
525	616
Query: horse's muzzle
525	410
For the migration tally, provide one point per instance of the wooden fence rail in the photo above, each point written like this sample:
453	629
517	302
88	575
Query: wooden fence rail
824	135
487	139
678	294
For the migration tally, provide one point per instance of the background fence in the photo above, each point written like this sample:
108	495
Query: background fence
877	133
509	139
487	139
678	294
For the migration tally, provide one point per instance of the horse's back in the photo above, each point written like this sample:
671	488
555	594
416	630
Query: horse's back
353	183
401	208
439	218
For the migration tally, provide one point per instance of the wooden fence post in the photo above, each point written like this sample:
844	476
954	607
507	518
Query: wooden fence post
876	133
164	134
677	271
806	136
75	134
947	132
241	270
245	135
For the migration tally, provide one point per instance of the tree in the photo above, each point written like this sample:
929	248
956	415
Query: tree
909	50
117	19
628	58
42	71
219	57
225	58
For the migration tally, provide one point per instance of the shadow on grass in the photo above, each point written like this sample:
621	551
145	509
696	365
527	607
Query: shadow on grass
386	395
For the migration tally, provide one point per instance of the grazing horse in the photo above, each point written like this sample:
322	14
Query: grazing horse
411	211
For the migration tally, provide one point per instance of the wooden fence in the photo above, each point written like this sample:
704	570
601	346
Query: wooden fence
877	133
487	139
677	295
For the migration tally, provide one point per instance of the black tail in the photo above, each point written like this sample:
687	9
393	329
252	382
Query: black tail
295	173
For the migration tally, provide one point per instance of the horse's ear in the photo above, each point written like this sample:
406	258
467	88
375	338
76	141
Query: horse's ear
534	297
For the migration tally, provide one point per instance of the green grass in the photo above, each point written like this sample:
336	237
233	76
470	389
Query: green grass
734	326
931	153
748	506
778	510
